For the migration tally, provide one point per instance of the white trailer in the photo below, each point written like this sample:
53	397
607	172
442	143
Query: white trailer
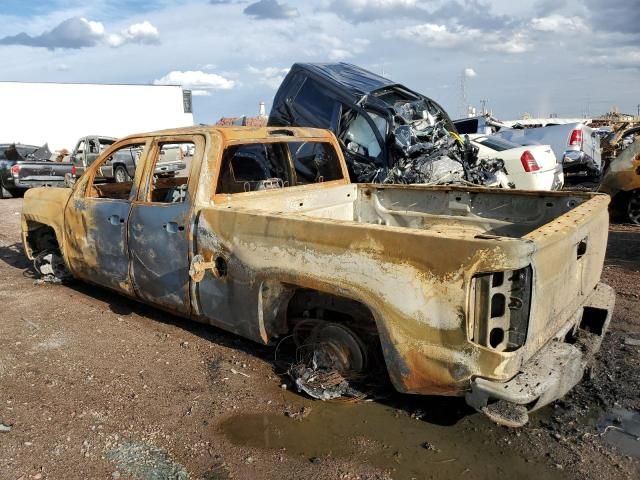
60	113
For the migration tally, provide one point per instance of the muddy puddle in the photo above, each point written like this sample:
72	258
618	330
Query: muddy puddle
434	446
621	429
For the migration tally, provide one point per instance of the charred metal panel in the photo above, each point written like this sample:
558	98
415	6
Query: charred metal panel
159	249
97	233
227	298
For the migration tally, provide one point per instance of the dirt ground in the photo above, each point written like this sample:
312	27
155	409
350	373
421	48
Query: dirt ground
96	386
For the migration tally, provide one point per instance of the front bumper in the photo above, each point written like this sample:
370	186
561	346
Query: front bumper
557	367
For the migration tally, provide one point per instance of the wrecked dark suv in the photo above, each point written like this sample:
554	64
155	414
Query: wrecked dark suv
388	133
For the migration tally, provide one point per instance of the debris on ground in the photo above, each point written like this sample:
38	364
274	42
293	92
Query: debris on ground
322	383
297	414
621	429
430	446
634	342
5	428
146	462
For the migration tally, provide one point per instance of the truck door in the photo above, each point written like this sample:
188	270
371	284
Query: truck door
160	228
96	225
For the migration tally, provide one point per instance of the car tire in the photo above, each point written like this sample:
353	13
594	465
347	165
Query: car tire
120	175
633	207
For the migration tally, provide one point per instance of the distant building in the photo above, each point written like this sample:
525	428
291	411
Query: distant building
245	121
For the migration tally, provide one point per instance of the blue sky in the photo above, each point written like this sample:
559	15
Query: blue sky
546	56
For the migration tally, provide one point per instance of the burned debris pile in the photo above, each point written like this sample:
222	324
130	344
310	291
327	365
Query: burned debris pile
426	150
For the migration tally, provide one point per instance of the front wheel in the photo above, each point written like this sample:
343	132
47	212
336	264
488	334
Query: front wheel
120	175
633	207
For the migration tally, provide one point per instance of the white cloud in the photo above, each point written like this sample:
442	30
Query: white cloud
517	43
367	10
196	79
144	33
78	32
437	36
337	54
448	37
73	33
270	9
470	72
623	58
270	76
200	93
559	23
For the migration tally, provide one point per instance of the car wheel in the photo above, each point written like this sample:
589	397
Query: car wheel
50	265
120	175
633	207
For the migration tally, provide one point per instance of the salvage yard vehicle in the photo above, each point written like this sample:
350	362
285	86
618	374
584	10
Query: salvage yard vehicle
493	294
533	167
387	132
27	166
576	145
621	180
120	167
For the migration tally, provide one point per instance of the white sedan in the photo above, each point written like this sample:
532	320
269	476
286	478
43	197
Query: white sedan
530	167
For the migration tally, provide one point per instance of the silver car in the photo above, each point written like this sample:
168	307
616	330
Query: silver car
576	145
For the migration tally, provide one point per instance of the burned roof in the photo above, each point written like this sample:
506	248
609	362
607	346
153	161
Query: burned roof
357	80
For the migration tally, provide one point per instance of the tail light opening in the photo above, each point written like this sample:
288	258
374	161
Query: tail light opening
576	138
73	170
15	170
529	162
500	308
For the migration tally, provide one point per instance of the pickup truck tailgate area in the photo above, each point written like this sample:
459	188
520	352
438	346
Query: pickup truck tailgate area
567	263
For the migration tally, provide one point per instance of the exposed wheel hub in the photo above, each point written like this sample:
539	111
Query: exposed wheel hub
330	345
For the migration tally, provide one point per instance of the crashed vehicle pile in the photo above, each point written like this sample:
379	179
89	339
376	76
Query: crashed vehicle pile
388	133
426	152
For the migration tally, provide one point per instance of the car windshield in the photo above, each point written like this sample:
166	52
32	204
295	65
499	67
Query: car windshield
497	144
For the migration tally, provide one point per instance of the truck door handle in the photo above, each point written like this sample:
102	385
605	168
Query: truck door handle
173	227
115	220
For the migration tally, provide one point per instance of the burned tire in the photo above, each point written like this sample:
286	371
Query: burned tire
120	175
50	265
330	346
633	207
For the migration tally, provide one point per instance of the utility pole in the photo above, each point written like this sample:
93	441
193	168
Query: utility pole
463	95
484	106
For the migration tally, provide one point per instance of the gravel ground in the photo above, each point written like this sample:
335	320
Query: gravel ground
93	385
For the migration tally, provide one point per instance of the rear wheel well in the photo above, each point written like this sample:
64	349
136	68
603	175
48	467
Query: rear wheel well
41	238
306	304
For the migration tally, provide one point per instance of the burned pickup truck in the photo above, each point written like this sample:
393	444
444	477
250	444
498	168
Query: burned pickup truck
489	293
